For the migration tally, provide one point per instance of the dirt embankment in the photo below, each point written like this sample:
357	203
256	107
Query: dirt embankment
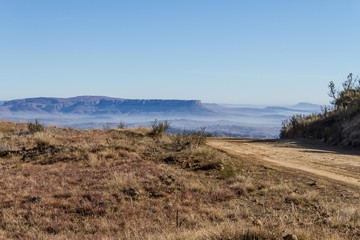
309	156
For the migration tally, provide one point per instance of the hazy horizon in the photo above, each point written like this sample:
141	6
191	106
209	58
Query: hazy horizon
234	52
219	103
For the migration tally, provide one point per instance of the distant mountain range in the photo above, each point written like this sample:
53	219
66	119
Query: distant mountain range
300	108
96	111
97	105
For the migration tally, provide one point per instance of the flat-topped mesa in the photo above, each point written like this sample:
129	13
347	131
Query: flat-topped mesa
102	105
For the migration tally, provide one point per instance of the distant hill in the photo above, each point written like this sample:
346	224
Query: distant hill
306	106
102	105
301	108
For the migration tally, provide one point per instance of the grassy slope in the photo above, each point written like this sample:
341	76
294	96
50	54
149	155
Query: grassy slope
339	125
123	184
335	128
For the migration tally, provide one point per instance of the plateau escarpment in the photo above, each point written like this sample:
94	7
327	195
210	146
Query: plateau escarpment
102	105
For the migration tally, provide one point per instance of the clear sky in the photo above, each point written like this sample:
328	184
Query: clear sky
225	51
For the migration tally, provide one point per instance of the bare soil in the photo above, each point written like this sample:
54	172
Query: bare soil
309	156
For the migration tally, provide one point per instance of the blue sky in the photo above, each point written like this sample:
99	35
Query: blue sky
242	52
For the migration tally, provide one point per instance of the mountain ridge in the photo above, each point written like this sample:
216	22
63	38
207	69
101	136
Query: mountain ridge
86	112
101	105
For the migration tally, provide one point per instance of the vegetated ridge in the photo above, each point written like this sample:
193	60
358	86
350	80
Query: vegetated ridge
338	124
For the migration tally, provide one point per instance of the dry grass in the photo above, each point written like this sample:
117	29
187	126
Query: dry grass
123	184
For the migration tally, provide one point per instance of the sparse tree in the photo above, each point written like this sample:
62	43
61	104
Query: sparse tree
122	125
341	99
349	83
333	92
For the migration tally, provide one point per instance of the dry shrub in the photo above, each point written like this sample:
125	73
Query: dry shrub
219	194
346	216
7	127
195	186
229	171
158	128
241	185
279	188
127	183
303	199
201	158
44	139
126	155
35	127
93	160
187	139
227	231
204	154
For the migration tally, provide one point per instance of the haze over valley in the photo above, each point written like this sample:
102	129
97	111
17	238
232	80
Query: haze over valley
87	112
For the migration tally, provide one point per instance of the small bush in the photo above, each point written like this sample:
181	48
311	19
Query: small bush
127	183
122	125
158	128
187	139
228	171
35	127
43	139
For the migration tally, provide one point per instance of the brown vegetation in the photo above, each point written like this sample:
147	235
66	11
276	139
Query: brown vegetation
125	184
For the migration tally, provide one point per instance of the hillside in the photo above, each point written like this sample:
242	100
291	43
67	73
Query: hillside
338	124
61	183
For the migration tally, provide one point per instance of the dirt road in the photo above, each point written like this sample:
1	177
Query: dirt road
309	156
